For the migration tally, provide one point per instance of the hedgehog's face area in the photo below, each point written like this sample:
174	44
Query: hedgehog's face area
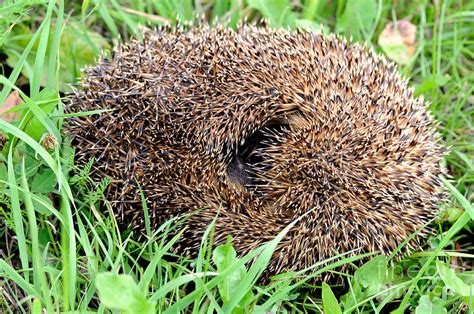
345	176
336	160
246	161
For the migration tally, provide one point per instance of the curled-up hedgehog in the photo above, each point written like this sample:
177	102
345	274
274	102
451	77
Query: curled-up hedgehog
260	127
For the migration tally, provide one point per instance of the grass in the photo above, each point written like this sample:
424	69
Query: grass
61	249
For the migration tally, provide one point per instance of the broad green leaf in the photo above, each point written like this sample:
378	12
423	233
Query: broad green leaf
452	281
44	181
313	26
313	9
368	280
425	306
220	8
224	256
451	214
40	207
278	12
36	125
79	48
120	292
32	164
371	275
43	236
330	304
357	19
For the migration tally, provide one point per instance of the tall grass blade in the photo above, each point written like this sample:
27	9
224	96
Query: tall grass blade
41	52
39	276
17	215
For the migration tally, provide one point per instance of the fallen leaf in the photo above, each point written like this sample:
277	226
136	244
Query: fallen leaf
12	100
398	41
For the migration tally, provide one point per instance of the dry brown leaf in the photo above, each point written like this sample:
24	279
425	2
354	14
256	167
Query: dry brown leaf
12	100
398	41
50	142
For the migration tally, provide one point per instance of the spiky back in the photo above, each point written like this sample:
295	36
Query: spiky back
261	127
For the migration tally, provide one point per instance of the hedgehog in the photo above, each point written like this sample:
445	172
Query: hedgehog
258	128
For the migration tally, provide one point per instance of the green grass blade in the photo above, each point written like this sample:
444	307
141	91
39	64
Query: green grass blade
108	20
11	129
68	255
257	268
53	61
464	202
286	289
39	275
9	272
41	52
17	215
455	228
152	267
177	282
35	109
17	70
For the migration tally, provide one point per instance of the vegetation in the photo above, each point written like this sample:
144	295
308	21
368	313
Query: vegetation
62	251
